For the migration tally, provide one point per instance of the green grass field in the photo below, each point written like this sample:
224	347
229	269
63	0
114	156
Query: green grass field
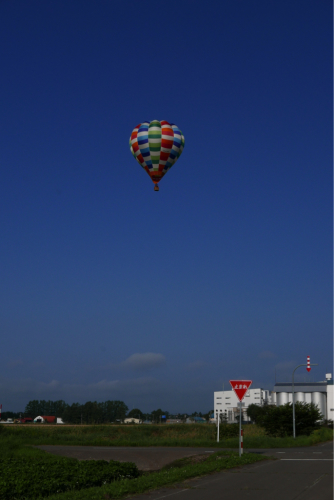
17	442
17	438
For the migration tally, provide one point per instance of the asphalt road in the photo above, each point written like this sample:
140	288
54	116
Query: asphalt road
296	474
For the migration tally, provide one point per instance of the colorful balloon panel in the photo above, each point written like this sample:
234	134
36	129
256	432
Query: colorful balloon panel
156	146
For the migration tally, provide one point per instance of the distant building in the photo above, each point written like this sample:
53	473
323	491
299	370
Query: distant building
42	419
226	404
319	393
173	421
22	420
132	421
195	420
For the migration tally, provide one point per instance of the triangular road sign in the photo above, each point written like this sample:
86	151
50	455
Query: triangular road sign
240	387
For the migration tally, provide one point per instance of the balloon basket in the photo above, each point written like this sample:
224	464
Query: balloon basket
156	187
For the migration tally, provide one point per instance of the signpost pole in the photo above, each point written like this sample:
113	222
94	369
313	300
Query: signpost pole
218	417
240	417
240	388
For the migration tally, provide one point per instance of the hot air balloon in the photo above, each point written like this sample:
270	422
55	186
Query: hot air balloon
156	147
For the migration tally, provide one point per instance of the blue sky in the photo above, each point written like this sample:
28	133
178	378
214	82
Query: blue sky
110	290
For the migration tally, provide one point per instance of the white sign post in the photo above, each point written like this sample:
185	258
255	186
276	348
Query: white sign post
240	388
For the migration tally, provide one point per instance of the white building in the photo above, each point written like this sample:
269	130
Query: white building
39	420
132	420
319	393
226	403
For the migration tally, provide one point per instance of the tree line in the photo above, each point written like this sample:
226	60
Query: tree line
88	413
93	412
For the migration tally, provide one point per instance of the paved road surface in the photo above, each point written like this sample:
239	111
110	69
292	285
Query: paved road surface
297	474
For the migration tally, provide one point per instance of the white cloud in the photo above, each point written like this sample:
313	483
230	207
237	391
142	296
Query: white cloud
28	389
144	361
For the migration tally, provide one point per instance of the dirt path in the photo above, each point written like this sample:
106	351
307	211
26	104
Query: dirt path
150	458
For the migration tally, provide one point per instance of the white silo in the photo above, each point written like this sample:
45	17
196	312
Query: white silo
300	397
318	398
308	397
282	398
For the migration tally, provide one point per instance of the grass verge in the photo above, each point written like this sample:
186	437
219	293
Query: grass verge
319	436
174	473
15	438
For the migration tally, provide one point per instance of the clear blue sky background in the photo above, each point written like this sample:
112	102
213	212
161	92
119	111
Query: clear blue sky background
110	290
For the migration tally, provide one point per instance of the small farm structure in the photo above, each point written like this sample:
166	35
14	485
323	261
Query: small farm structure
42	419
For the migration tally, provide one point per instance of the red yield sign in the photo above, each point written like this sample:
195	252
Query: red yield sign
240	387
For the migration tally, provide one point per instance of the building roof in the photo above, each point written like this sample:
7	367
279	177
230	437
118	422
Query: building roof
301	387
48	418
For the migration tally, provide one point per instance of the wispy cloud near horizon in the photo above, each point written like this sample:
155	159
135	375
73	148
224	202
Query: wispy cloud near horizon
144	361
102	390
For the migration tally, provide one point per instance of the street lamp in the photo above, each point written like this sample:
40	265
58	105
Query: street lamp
293	395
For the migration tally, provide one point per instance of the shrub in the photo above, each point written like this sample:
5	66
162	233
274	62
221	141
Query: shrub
277	420
228	430
256	413
33	479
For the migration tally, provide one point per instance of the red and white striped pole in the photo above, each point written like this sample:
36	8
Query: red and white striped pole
242	441
308	367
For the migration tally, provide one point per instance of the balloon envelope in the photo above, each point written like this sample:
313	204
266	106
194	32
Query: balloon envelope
156	147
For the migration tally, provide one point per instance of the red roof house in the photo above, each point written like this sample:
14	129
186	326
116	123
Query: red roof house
49	420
